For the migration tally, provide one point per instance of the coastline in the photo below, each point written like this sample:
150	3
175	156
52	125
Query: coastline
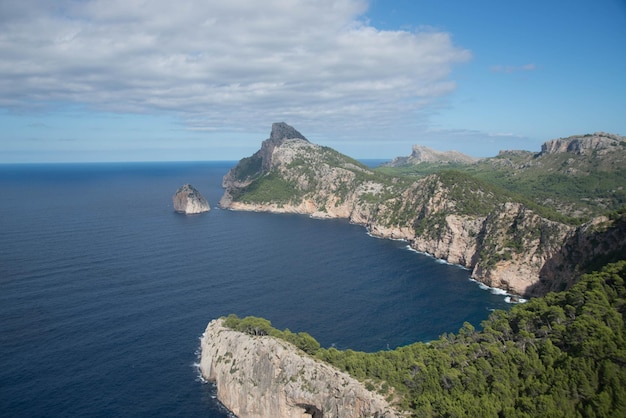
398	236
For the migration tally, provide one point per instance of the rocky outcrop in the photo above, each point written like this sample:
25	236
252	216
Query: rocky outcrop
189	201
263	377
423	154
599	142
586	248
516	243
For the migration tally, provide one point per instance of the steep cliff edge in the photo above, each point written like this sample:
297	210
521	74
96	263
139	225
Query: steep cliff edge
261	376
449	214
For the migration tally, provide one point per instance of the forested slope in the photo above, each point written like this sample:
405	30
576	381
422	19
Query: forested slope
563	355
560	355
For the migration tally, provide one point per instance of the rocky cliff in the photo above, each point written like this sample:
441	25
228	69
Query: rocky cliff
260	376
189	201
447	214
599	142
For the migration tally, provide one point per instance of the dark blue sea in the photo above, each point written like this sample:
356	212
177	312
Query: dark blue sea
105	290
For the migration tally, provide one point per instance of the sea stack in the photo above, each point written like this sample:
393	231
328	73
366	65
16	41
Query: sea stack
189	201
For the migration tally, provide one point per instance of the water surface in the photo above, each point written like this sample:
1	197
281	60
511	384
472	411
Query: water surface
105	290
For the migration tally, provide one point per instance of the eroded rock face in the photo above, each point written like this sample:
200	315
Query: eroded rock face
263	377
189	201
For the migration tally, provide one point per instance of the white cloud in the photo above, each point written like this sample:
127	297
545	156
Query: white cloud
220	64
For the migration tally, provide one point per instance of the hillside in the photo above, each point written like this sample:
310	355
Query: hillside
508	240
563	355
579	177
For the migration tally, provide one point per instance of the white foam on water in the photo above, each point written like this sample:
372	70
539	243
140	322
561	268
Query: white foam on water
508	297
196	364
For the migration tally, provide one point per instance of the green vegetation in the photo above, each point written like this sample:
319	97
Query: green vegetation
472	196
270	188
564	187
587	191
248	168
420	170
259	327
304	174
558	356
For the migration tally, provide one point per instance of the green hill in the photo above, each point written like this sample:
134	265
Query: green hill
579	177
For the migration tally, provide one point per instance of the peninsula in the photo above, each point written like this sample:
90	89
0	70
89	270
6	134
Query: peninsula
507	240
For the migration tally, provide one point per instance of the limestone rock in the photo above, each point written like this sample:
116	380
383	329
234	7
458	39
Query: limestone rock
598	142
263	377
189	201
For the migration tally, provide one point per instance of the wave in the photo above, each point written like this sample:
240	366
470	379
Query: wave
508	297
196	364
437	260
515	299
199	377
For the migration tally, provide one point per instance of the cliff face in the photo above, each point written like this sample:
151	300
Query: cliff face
189	201
504	243
263	377
600	142
587	247
451	216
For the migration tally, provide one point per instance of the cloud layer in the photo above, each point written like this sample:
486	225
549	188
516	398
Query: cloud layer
221	65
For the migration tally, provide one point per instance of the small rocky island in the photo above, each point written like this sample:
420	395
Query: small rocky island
189	201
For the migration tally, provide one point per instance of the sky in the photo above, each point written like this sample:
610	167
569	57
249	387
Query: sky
162	80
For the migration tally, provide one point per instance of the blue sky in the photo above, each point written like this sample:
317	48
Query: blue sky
130	80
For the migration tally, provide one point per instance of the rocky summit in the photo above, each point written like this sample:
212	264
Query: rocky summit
189	201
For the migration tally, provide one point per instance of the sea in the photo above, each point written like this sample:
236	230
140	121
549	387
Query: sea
105	290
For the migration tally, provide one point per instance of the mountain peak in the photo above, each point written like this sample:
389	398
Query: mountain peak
281	131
